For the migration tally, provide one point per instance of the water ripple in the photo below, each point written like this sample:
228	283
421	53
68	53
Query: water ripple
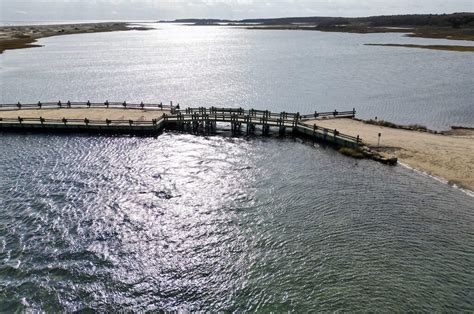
213	223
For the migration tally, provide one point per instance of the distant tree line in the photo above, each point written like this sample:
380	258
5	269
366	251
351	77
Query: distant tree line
455	20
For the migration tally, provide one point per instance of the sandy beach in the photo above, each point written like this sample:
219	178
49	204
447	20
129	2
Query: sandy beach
18	37
448	156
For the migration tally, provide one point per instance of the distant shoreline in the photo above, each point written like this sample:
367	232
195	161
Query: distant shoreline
26	36
456	26
432	47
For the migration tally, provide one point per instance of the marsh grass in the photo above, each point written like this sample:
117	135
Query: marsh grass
352	152
411	127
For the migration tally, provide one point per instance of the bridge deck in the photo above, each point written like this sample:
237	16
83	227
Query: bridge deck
141	118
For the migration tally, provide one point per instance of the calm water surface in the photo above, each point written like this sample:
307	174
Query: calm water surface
195	223
278	70
181	222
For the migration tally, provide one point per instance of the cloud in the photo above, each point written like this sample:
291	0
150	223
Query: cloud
235	9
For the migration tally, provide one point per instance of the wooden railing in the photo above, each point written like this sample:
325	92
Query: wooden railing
88	104
331	132
64	121
176	109
231	117
235	116
269	114
335	113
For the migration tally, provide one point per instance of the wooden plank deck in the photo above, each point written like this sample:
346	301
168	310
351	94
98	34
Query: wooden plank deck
140	118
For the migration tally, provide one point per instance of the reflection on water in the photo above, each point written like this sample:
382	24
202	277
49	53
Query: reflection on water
277	70
216	223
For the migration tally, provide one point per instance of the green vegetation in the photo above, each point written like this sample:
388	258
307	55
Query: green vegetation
17	43
387	124
455	20
457	26
352	152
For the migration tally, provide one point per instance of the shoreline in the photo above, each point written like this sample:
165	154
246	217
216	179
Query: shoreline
26	36
448	155
418	32
439	179
431	47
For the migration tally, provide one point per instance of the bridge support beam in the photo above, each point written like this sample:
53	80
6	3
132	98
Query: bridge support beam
282	130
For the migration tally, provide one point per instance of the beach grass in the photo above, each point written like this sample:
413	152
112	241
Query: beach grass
352	152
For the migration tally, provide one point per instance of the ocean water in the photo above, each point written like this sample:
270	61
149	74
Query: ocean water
223	66
183	222
220	223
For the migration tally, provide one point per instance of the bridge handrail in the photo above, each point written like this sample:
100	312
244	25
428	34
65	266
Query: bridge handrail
85	121
332	132
71	104
175	109
334	113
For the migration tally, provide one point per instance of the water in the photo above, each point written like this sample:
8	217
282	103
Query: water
193	223
278	70
182	222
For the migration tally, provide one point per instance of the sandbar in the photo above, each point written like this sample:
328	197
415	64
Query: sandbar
18	37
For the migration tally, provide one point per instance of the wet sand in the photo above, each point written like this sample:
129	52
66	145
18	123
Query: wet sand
18	37
450	157
89	113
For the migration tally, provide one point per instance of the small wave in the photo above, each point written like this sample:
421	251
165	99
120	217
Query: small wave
439	179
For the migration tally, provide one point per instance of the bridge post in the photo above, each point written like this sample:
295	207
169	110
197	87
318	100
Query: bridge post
282	129
232	124
195	122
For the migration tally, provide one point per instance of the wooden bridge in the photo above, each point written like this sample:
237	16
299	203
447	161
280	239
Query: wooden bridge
195	120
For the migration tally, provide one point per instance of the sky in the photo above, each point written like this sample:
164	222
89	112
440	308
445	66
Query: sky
61	10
